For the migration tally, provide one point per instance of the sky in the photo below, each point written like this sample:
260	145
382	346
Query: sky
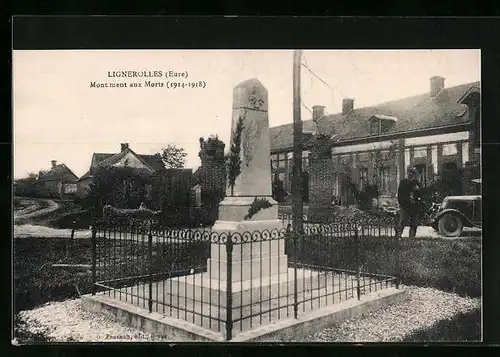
58	116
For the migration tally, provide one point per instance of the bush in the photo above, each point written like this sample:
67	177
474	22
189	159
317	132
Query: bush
120	187
77	220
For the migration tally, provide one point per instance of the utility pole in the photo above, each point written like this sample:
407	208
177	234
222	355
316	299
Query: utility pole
297	208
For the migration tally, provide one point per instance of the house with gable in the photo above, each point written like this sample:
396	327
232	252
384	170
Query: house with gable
437	132
58	182
147	164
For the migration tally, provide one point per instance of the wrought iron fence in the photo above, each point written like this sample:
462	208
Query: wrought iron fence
229	281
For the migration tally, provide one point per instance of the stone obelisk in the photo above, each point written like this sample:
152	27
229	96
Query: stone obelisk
250	108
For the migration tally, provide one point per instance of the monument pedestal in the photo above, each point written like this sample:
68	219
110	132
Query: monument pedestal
262	283
252	299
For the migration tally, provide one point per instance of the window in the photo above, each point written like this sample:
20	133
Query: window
364	156
384	179
335	186
70	188
363	178
420	152
451	176
375	126
379	126
422	174
344	159
305	164
450	149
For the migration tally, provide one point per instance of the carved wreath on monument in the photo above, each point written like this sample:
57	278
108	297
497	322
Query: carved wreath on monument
256	99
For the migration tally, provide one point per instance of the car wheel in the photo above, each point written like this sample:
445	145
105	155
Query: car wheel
450	225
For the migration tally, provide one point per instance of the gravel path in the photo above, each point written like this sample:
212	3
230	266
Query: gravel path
423	308
67	321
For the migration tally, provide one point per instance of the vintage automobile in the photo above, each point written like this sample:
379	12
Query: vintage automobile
455	213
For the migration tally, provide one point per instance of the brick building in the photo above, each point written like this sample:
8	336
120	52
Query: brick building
438	132
209	180
211	175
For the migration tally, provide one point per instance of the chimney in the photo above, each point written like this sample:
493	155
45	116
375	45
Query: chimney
54	163
347	105
318	112
437	85
124	146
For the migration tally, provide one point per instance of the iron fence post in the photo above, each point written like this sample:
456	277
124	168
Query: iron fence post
358	262
398	258
295	294
150	265
229	288
94	259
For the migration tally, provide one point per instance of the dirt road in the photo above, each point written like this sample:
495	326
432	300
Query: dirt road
30	210
31	214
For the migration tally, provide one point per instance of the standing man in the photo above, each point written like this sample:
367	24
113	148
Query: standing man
409	198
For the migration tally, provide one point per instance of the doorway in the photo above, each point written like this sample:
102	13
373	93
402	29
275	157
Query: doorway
451	178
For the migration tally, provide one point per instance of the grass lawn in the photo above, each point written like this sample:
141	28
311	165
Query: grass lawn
37	281
448	265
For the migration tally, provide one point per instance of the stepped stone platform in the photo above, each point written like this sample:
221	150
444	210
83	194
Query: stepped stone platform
201	303
188	319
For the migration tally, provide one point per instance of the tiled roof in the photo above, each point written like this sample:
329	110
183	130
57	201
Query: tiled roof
98	157
153	161
58	172
412	113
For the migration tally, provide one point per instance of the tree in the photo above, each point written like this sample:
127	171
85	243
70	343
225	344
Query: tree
233	157
120	187
26	186
173	157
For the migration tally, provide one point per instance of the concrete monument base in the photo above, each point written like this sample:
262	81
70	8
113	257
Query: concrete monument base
235	209
199	288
